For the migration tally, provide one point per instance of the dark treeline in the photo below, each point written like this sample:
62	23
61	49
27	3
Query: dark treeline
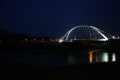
55	46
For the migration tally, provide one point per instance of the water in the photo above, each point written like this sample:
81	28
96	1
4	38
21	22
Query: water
58	58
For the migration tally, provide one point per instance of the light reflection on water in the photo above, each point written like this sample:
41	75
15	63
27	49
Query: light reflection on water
113	57
58	58
101	56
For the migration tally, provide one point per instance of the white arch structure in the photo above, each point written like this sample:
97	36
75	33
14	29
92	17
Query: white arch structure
66	36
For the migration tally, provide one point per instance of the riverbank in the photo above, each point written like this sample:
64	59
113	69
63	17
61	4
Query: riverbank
55	46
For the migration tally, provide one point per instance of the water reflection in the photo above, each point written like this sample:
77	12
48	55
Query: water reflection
113	57
101	56
105	57
60	59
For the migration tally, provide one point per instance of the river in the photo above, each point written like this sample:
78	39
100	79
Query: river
58	58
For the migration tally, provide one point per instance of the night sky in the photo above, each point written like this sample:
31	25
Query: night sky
54	17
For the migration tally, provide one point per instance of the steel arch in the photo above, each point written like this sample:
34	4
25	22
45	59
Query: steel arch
66	36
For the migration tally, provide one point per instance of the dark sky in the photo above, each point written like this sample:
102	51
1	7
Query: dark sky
55	17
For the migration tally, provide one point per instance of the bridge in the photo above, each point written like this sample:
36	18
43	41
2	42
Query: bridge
85	32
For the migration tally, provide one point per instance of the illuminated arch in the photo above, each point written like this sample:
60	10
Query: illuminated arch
66	36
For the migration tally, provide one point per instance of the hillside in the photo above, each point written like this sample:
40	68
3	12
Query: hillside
4	34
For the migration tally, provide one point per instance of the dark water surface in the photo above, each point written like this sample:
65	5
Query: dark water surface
57	58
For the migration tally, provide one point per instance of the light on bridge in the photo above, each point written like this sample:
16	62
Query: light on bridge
90	32
60	41
113	37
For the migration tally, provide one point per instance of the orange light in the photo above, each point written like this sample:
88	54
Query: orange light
90	57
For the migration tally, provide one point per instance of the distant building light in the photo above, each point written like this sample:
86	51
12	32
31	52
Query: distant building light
56	40
113	37
75	39
70	40
118	37
26	39
51	39
34	39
